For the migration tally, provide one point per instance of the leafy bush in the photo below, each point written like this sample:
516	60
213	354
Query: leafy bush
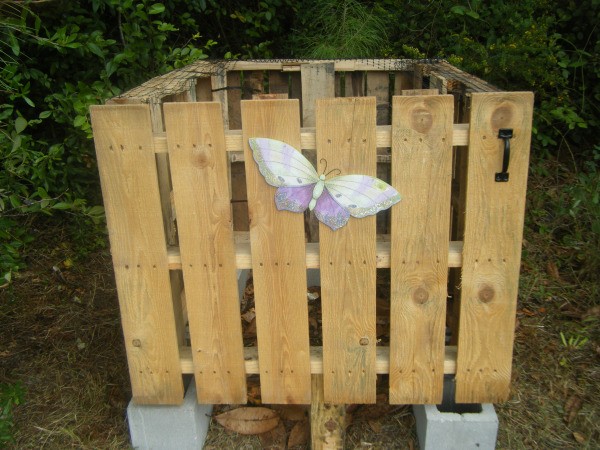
10	396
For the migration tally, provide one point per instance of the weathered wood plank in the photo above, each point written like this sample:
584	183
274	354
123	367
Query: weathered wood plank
327	421
492	250
382	362
378	85
234	96
233	139
432	91
318	81
279	82
127	166
278	263
243	255
219	94
422	173
346	140
196	141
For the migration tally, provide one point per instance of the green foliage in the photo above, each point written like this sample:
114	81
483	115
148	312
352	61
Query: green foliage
10	396
339	29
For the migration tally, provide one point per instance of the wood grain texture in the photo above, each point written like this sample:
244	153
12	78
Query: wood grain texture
378	85
318	81
243	255
327	422
346	139
492	246
127	166
234	96
382	363
422	173
278	263
196	141
219	94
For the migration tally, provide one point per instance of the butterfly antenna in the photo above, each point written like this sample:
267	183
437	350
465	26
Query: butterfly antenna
339	172
323	160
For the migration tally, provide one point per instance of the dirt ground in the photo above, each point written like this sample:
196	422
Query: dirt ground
60	337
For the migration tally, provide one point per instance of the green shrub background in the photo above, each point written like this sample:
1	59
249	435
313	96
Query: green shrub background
59	57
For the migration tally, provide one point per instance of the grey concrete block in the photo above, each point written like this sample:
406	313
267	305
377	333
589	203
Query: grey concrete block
169	427
455	430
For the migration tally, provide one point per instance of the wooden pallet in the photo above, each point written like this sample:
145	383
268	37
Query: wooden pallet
180	142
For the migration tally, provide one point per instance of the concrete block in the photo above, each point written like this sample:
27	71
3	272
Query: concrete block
159	427
452	426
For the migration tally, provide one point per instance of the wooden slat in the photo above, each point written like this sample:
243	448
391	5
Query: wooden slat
204	90
127	166
196	141
219	94
492	251
278	263
378	85
243	255
253	83
422	173
233	139
234	95
382	362
279	82
432	91
382	258
318	81
346	139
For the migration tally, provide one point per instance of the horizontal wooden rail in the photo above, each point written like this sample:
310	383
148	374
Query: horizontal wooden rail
382	364
233	139
243	255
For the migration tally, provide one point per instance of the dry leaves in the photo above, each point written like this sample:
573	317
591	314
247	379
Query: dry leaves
299	434
247	420
572	407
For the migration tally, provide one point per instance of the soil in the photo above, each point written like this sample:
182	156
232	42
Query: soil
60	336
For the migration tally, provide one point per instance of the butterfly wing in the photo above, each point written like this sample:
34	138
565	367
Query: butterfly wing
330	212
281	164
361	195
293	198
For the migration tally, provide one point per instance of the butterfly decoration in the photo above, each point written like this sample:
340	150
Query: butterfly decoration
300	187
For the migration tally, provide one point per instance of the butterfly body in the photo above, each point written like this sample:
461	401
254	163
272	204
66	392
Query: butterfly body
333	199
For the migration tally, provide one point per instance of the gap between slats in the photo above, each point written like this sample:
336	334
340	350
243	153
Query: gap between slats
382	364
233	139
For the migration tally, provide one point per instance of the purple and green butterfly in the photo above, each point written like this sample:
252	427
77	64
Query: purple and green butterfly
300	187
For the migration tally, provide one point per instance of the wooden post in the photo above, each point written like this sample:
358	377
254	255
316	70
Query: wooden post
327	421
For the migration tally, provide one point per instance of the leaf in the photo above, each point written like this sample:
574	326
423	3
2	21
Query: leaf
157	8
291	412
580	438
299	434
247	420
572	407
61	206
274	439
20	124
45	114
79	120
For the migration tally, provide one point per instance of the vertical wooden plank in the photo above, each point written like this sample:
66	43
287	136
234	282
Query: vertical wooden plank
318	81
234	96
253	83
196	143
346	138
219	94
402	80
279	82
378	85
127	166
203	89
355	84
492	246
422	173
278	263
327	421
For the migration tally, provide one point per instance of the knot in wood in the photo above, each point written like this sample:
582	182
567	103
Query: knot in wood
136	343
501	117
486	293
364	341
201	156
420	296
422	120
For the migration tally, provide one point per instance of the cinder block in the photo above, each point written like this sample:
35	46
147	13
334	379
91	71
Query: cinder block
452	426
454	430
160	427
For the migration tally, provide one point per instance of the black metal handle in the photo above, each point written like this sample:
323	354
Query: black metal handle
506	134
